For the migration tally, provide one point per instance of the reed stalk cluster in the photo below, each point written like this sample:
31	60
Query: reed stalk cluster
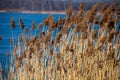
84	48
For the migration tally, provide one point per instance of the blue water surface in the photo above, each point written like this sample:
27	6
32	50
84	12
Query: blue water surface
6	33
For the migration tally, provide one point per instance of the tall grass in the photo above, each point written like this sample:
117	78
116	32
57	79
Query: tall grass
84	48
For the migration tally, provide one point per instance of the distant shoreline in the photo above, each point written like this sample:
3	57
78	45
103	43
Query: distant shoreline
34	12
39	12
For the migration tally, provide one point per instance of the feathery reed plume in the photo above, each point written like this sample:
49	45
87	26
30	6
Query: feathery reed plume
26	43
59	35
51	52
78	17
69	11
39	26
46	21
100	64
96	20
59	66
18	64
94	34
84	35
21	23
33	25
78	27
36	47
33	40
59	57
69	64
12	23
103	8
110	54
118	12
65	29
0	38
47	37
111	35
110	25
24	54
103	39
21	38
89	43
104	17
60	21
52	23
39	55
15	51
100	48
95	7
81	6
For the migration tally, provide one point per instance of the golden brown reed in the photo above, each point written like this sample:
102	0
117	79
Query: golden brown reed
39	55
104	17
76	60
39	26
26	43
94	34
69	11
103	8
33	25
110	36
52	23
12	23
51	52
59	35
96	20
46	21
21	24
47	37
60	21
81	6
21	38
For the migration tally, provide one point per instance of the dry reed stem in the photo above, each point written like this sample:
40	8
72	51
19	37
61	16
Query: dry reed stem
75	60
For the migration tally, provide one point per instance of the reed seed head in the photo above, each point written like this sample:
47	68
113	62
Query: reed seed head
12	23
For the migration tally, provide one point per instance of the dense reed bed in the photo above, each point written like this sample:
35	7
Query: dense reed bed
84	47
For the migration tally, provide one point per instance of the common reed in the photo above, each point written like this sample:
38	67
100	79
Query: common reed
76	53
12	23
21	24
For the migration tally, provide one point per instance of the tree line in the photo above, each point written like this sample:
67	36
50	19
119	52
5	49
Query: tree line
55	5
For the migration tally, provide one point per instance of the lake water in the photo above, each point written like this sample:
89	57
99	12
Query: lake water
5	29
